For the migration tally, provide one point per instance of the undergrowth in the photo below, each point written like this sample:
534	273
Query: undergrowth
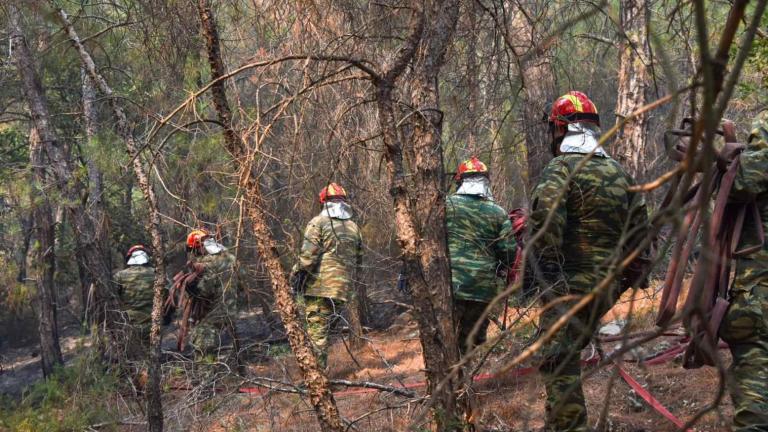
72	399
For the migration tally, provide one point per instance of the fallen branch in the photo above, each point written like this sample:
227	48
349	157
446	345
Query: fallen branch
289	387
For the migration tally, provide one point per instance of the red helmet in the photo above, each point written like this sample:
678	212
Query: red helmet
470	166
573	107
195	238
333	190
134	249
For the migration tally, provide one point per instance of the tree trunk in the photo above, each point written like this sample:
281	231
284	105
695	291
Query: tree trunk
421	229
26	222
44	257
358	312
94	235
316	381
123	129
538	82
43	263
634	56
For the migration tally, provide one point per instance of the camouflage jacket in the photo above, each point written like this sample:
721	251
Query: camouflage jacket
751	184
219	276
135	285
595	219
480	243
331	253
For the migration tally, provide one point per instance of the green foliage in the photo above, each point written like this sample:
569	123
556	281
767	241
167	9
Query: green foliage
279	350
14	295
70	400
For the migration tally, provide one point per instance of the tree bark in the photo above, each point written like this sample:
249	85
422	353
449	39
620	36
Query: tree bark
152	225
634	57
315	379
421	227
538	83
43	264
44	257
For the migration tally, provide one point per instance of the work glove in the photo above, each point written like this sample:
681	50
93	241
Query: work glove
298	283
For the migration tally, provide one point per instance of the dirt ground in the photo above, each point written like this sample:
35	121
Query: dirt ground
502	403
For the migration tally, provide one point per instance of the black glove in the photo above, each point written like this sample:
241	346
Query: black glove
298	283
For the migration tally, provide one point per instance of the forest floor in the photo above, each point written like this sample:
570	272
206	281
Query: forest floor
503	401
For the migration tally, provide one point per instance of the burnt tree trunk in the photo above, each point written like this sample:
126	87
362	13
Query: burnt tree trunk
315	379
421	228
152	225
43	255
634	56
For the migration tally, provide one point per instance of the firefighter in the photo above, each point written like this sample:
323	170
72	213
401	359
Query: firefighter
585	218
329	263
212	295
745	325
481	245
135	290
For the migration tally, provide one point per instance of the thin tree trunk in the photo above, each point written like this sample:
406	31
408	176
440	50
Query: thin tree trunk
634	55
26	223
123	129
315	379
43	264
95	231
358	311
421	229
44	259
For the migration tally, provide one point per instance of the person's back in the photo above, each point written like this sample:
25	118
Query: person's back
593	206
332	250
136	292
479	232
481	246
583	221
329	261
219	274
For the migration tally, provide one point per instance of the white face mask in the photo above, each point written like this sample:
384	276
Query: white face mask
479	186
212	247
138	258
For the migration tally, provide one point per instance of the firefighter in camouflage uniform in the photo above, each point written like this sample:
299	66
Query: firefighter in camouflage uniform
215	292
135	288
481	246
594	220
329	262
745	325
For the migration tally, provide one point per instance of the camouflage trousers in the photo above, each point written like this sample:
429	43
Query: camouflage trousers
467	313
217	314
321	314
566	409
745	328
